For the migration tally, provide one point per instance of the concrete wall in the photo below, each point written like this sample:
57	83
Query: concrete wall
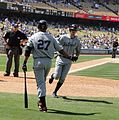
83	51
95	51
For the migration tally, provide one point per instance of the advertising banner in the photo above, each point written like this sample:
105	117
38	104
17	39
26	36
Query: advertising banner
96	17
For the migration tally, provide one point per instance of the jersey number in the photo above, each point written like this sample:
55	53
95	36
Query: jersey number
43	44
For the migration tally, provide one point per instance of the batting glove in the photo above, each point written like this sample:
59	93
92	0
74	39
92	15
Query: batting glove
24	67
69	57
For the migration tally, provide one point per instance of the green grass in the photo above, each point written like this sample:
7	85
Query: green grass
69	108
3	63
84	58
30	61
109	71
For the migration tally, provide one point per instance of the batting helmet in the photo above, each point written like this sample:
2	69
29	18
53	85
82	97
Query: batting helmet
42	25
73	27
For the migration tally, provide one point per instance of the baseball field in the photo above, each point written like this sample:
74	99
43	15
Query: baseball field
90	92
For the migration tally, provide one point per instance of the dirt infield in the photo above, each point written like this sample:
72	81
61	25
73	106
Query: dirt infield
73	86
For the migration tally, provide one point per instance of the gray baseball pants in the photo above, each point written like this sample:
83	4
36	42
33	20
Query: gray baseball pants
41	69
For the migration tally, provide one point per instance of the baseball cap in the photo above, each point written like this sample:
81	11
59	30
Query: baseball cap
73	27
42	25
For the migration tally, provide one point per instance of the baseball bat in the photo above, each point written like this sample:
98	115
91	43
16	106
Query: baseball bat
25	92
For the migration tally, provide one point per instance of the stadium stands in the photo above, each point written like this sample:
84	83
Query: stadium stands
104	7
86	7
41	5
90	38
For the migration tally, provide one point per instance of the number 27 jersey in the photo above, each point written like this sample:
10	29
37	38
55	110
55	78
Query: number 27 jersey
43	45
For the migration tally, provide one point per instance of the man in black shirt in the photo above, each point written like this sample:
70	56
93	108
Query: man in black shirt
114	49
13	39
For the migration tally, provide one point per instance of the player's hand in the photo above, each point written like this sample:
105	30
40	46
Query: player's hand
69	57
74	58
24	67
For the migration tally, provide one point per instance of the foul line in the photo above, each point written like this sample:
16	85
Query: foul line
72	71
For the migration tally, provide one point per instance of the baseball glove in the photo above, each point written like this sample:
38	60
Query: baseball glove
74	58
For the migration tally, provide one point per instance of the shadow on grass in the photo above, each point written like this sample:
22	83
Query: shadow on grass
54	111
85	100
69	113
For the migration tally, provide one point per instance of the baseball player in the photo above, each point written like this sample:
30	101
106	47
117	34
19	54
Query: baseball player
71	45
43	45
114	49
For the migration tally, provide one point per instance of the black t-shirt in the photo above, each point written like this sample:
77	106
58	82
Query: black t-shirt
115	44
14	38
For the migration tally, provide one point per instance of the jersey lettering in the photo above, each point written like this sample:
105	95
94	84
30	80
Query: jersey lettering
43	44
69	44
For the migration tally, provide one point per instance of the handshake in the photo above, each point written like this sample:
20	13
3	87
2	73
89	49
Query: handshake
24	67
73	58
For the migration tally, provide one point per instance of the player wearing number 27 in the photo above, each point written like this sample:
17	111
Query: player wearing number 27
43	45
71	45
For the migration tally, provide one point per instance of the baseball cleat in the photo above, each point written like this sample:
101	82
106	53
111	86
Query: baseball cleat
6	74
15	74
54	95
44	109
41	107
51	79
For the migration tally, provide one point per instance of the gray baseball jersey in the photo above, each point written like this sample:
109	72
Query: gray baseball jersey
43	46
71	46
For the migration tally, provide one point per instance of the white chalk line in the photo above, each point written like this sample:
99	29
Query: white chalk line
83	68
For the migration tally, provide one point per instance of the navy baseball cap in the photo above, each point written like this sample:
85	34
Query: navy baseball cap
73	27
